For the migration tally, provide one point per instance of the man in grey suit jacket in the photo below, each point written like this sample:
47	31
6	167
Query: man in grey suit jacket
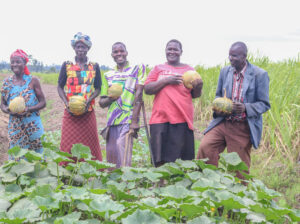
248	87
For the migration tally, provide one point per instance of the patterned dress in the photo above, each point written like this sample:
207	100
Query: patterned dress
27	130
80	129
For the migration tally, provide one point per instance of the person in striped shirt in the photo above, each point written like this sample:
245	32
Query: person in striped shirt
123	112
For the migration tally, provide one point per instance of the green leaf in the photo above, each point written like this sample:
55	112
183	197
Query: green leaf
268	212
152	202
201	220
177	192
56	157
68	219
100	165
42	191
174	168
98	191
106	205
143	217
256	217
141	192
33	156
47	203
202	165
9	177
130	174
120	195
13	188
86	170
195	175
16	152
81	151
233	161
204	183
4	205
79	193
24	208
186	164
153	177
295	215
22	167
52	167
191	210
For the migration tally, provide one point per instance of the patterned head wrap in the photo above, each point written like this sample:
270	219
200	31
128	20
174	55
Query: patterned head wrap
83	38
20	53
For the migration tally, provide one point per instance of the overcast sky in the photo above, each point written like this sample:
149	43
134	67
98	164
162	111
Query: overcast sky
44	28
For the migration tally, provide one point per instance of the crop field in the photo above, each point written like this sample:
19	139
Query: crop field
38	191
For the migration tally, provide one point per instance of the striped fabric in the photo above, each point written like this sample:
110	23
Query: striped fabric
237	93
120	111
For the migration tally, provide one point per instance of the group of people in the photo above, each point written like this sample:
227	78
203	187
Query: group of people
171	122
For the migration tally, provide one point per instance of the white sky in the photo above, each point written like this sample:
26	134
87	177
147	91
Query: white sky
206	28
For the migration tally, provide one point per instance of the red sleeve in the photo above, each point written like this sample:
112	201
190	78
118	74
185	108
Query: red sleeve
153	75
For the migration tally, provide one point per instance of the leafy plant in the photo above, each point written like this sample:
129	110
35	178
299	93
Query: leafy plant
86	191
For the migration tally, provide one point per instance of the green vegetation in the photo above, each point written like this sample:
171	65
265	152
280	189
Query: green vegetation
37	191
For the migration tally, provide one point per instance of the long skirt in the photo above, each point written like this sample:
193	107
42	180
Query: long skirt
80	129
170	142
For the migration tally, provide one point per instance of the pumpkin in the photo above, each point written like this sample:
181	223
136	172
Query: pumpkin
17	105
222	104
188	77
115	90
77	104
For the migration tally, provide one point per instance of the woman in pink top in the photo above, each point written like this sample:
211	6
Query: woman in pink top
171	123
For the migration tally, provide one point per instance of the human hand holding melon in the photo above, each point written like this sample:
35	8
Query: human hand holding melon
115	91
77	105
222	106
17	107
192	79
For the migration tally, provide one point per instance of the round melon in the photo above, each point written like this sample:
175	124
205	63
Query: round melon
222	104
77	104
188	77
17	105
115	90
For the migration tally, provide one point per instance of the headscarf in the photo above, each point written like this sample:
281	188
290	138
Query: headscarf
83	38
20	53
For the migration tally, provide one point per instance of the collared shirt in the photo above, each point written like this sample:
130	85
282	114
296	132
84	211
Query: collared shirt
237	93
120	111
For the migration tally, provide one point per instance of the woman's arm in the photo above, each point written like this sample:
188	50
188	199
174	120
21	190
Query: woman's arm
4	106
154	87
197	88
106	101
39	94
62	79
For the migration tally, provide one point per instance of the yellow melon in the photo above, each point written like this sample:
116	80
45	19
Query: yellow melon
115	90
17	105
77	104
222	104
188	77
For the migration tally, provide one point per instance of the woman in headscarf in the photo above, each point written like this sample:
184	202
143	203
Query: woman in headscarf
81	78
25	128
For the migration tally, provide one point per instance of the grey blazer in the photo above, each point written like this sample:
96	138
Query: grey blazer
255	95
